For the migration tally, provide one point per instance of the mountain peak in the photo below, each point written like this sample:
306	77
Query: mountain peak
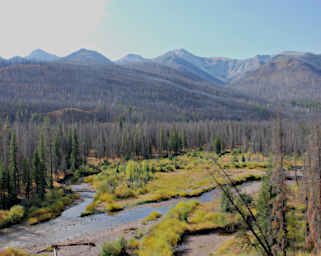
131	58
84	50
292	53
180	52
85	56
38	51
134	55
41	55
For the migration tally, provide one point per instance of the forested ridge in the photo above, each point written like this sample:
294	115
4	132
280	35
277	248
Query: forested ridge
177	86
106	92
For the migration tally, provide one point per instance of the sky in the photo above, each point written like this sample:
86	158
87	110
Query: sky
212	28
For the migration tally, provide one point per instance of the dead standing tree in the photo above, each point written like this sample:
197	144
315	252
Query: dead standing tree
313	193
279	188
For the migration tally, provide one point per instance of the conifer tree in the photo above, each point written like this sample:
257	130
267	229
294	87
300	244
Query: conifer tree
57	144
6	160
161	142
36	171
75	153
42	183
182	140
226	205
27	179
3	185
13	168
175	143
68	150
217	145
264	207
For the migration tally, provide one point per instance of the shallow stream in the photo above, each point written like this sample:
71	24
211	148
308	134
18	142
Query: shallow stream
70	224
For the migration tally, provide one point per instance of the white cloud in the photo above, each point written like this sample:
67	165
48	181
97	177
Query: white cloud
59	26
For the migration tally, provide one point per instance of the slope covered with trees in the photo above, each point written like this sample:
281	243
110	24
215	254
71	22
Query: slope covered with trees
285	78
107	91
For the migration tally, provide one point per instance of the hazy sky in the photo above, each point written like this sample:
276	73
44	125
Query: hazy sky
229	28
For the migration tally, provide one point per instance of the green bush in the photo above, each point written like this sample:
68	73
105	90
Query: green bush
226	204
116	248
246	198
16	214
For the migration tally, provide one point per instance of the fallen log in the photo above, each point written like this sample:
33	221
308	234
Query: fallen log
57	246
74	244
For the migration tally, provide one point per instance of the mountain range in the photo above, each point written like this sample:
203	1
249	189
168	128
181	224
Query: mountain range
179	83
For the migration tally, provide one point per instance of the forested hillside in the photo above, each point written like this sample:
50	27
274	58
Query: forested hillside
285	79
177	86
108	91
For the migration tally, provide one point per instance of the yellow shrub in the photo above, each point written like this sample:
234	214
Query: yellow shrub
33	221
114	207
89	179
124	192
152	217
13	252
133	244
75	196
166	234
90	209
4	219
38	212
105	198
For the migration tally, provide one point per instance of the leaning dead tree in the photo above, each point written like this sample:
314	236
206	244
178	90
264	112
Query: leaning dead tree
275	241
279	189
312	179
246	213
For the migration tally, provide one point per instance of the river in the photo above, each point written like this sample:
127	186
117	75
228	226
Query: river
70	224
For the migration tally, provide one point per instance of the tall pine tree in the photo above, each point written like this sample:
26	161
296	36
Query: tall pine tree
13	167
75	153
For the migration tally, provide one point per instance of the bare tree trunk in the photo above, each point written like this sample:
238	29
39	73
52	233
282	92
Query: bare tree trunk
279	222
314	194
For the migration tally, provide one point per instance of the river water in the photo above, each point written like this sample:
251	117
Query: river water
70	224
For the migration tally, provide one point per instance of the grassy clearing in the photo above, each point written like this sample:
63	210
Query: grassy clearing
132	183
